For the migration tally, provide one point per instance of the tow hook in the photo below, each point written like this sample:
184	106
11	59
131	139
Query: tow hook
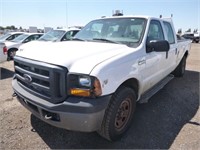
48	117
14	95
51	116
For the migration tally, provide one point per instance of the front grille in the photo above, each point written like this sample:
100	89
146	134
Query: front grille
41	79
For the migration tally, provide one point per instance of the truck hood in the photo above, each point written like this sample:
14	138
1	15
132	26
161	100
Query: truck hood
77	56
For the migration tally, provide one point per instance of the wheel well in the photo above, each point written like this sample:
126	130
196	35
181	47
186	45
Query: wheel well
186	54
12	49
133	84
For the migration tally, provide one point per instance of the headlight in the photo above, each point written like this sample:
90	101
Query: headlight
85	81
83	85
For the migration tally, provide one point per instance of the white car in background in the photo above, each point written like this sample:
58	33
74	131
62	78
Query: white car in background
58	35
13	45
3	52
10	36
55	35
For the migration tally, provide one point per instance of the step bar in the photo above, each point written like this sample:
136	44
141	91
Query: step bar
147	95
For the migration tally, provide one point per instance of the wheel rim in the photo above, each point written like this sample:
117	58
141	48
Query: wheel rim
123	114
12	53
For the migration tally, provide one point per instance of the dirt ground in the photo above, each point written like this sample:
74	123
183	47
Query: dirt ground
170	120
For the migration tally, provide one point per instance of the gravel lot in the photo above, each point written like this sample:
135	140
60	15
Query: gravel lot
171	119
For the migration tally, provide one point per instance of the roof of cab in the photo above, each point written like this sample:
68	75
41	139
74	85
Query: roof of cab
138	16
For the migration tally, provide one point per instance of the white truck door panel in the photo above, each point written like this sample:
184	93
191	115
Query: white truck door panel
151	71
171	59
170	63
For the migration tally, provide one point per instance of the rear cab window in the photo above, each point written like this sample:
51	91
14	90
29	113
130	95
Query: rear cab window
169	32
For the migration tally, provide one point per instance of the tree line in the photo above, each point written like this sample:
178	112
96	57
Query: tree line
12	27
189	30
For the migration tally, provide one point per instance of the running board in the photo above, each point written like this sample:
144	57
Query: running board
147	95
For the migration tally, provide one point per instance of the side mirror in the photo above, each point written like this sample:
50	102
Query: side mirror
157	46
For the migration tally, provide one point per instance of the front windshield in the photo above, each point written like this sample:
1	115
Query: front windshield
128	31
52	35
20	38
5	36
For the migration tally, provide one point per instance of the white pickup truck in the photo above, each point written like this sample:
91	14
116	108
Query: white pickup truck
93	82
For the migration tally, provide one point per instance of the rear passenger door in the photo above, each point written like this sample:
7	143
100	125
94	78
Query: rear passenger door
172	54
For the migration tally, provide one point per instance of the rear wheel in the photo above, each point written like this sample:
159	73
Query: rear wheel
180	69
119	114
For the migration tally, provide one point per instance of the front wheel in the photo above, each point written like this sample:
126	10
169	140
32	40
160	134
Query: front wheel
11	54
119	114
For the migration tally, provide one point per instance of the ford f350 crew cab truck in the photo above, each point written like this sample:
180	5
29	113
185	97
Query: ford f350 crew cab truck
93	82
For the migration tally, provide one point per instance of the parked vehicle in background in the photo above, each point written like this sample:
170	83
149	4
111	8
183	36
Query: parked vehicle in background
47	29
3	52
191	36
59	35
13	45
92	82
10	36
32	29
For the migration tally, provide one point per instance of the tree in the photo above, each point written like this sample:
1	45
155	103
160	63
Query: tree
195	30
179	31
189	30
1	28
13	27
8	27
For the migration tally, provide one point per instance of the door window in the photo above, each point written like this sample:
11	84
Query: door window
170	33
31	38
69	35
155	31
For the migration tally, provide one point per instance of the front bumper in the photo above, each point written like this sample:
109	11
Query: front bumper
78	114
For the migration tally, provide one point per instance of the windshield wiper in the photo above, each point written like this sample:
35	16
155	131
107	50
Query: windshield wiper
105	40
77	39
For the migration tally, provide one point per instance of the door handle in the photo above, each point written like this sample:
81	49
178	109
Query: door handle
176	51
140	62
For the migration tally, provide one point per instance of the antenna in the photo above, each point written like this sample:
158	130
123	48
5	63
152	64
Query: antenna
66	15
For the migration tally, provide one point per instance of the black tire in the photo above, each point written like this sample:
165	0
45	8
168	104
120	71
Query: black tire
119	114
180	69
11	54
